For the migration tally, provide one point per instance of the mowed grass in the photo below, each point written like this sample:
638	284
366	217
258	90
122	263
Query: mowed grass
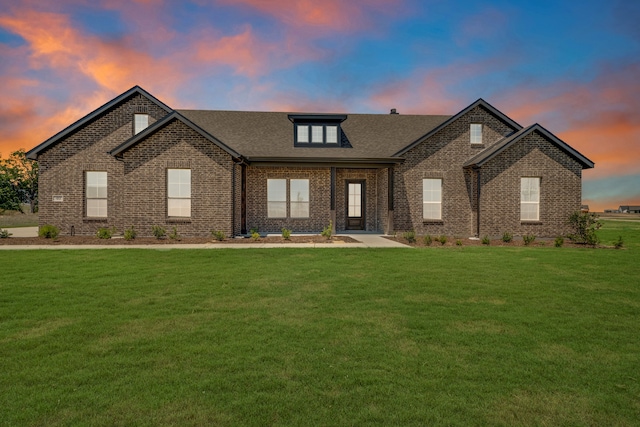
462	336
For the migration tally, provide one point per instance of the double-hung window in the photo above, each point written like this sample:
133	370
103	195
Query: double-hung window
297	202
96	194
179	192
530	199
476	133
432	199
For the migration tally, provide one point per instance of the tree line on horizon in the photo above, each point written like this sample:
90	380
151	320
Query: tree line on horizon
18	182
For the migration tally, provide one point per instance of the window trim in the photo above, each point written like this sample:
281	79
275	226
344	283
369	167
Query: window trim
473	136
535	203
178	197
430	202
87	197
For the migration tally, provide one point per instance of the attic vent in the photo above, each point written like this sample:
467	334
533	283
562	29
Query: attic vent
141	109
393	111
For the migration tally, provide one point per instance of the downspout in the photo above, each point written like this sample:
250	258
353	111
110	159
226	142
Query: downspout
478	201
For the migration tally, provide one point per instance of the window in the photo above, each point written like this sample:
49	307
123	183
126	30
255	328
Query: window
432	199
96	194
316	134
298	198
302	133
140	122
529	199
277	198
476	133
179	192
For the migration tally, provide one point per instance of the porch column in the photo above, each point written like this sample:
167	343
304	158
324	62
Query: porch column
333	200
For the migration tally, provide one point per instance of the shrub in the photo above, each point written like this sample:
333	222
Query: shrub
559	242
174	233
4	234
486	240
105	232
286	234
409	236
428	240
618	243
584	225
458	242
255	236
159	232
326	232
218	235
528	239
507	237
253	230
442	239
48	231
130	233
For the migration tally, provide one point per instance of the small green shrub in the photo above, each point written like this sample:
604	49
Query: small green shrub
618	244
458	242
158	232
326	232
428	240
585	225
105	232
174	233
253	230
528	239
255	236
218	235
286	234
4	234
542	243
486	240
442	239
409	236
48	231
507	237
130	233
559	242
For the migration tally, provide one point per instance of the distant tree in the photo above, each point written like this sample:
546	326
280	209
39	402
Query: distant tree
18	182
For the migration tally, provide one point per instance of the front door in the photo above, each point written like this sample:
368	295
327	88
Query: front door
355	191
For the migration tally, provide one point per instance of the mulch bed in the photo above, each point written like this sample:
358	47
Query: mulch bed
92	240
465	241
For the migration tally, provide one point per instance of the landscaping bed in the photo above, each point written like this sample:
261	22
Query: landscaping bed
465	241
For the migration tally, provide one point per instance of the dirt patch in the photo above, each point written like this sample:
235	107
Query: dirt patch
92	240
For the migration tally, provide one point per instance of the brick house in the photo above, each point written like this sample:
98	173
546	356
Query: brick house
137	162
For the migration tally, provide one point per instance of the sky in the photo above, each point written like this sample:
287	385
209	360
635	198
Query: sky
573	67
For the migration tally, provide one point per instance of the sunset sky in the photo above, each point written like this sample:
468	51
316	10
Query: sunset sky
572	66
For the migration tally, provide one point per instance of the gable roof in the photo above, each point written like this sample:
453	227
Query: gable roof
33	153
480	102
159	124
268	136
497	148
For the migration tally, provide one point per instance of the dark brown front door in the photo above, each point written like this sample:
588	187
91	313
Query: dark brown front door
355	205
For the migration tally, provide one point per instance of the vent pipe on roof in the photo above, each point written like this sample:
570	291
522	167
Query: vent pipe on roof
393	111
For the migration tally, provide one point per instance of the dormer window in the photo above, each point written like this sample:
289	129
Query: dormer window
317	130
140	123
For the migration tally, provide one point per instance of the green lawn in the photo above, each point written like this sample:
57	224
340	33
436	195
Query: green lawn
461	336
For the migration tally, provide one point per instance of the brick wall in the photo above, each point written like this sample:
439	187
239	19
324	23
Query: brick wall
560	188
442	156
63	167
371	199
145	176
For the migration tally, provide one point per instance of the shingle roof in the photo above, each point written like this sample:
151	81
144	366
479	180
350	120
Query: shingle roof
492	151
269	135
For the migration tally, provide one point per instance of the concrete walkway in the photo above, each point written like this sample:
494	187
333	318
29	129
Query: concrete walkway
365	240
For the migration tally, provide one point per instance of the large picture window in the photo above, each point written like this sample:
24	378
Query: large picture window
432	199
179	192
530	199
298	201
96	194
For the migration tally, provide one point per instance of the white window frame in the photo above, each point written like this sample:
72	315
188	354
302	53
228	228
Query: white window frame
179	193
299	198
96	189
140	122
276	198
530	198
432	198
475	130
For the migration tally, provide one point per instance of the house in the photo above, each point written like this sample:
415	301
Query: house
584	208
629	209
137	162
